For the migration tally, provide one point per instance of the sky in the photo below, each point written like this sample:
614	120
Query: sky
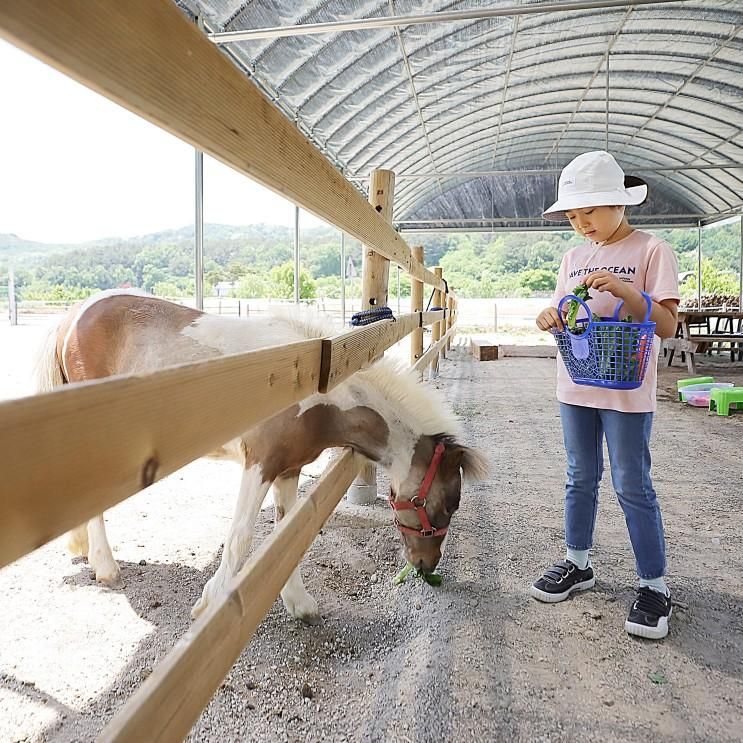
77	167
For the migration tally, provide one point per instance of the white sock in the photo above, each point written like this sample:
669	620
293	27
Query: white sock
657	584
578	557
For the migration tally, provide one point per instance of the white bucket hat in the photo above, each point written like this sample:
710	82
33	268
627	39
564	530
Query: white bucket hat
594	179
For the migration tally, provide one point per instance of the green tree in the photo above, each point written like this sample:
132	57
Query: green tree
168	289
714	281
328	287
281	280
538	279
252	286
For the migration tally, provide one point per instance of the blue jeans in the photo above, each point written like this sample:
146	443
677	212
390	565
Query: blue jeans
627	438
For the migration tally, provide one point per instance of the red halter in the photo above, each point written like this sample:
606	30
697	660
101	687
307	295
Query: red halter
418	502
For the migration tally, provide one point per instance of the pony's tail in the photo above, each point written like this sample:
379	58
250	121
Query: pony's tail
48	373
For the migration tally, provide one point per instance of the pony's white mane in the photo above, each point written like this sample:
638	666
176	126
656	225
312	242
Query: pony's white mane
424	404
308	323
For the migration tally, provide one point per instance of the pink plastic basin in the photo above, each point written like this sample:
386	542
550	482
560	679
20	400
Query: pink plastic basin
698	394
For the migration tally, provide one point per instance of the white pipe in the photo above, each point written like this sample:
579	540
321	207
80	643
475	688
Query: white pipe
304	29
199	231
699	265
542	171
296	255
343	277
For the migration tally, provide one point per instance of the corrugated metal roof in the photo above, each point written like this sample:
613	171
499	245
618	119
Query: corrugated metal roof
440	102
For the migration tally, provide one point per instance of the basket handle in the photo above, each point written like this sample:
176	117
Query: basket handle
567	298
647	299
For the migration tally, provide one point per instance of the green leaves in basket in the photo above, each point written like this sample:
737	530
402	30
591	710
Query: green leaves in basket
580	291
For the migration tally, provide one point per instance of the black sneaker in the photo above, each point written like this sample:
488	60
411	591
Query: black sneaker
559	581
649	614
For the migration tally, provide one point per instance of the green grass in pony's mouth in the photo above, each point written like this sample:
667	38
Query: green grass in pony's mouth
433	579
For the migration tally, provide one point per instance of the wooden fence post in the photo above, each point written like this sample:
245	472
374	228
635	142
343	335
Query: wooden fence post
449	317
416	305
375	274
444	324
375	269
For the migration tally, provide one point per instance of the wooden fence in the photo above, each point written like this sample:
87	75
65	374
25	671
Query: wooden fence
70	454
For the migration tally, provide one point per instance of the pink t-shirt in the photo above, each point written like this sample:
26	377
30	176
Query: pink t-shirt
640	259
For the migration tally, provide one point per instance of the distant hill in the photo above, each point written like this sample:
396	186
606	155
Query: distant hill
476	264
17	249
26	252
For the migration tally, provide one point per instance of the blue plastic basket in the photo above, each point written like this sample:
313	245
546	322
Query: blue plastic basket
608	353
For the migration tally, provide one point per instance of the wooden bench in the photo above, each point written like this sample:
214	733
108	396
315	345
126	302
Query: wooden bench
490	350
716	338
698	344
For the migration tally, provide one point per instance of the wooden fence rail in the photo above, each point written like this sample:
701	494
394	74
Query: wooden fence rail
167	704
70	454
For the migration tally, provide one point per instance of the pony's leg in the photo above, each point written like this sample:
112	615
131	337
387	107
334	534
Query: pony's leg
297	601
77	540
252	492
100	558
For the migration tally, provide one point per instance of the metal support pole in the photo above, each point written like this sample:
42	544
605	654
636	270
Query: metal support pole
433	370
296	255
607	101
699	264
398	290
12	306
343	277
740	269
199	230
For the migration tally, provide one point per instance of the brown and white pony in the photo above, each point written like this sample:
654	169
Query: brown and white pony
382	412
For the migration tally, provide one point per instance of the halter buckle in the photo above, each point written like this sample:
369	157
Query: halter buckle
427	532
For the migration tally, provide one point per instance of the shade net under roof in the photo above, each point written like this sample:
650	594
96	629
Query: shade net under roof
439	103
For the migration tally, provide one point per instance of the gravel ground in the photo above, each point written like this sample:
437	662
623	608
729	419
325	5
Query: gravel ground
473	660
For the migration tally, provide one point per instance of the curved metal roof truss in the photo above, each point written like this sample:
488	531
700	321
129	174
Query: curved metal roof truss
503	89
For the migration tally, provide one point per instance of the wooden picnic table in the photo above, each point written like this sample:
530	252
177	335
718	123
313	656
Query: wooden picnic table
695	334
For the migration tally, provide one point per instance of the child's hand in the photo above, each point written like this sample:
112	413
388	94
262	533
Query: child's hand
604	281
549	318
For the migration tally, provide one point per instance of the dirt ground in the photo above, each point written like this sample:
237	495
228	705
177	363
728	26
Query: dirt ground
476	659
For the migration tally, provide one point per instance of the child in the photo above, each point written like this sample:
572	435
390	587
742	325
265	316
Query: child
615	264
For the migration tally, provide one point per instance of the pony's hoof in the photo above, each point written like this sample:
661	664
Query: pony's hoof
305	610
110	579
313	620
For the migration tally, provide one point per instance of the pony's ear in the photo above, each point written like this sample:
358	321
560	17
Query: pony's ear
475	465
472	462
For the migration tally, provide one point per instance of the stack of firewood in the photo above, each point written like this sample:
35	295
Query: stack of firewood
718	301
